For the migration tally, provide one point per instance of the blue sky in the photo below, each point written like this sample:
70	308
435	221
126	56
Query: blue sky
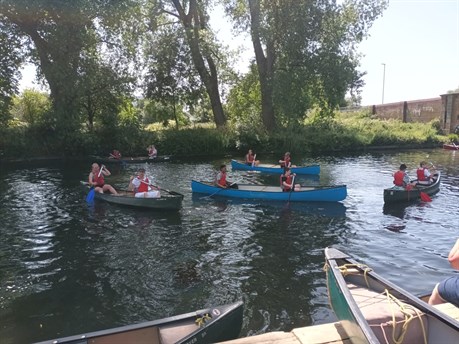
417	40
419	43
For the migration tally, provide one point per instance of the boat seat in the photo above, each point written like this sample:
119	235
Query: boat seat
379	311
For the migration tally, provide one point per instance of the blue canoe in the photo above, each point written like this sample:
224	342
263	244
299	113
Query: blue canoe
250	191
275	169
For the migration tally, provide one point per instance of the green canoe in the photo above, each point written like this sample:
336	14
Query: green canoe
374	310
169	200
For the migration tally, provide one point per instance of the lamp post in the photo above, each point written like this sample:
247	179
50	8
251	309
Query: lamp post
383	81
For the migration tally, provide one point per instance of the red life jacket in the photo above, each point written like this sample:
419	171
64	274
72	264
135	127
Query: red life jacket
222	180
287	180
286	162
398	178
143	187
98	179
250	158
421	174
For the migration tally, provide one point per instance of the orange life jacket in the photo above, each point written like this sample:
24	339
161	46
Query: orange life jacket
398	178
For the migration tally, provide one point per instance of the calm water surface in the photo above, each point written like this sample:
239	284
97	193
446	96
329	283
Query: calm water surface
68	268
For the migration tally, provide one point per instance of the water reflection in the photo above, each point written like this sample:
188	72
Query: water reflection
66	268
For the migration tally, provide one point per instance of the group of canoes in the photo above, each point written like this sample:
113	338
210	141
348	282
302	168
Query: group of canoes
288	190
404	189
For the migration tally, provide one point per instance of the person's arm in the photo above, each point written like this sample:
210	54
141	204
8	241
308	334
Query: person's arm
90	179
105	171
453	256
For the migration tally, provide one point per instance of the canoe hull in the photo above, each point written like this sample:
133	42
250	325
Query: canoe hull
308	194
450	146
392	195
165	202
224	324
312	169
440	327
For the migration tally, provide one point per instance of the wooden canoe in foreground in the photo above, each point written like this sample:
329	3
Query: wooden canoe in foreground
209	325
274	169
250	191
393	195
367	305
169	200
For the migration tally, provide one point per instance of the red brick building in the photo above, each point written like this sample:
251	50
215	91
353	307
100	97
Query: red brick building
445	108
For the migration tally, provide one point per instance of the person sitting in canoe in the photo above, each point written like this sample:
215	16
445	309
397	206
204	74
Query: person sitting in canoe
141	186
287	181
96	179
115	154
448	289
424	174
402	180
221	181
250	159
286	161
152	152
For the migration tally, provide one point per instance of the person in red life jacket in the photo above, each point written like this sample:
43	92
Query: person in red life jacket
401	179
221	181
425	177
286	160
448	289
115	154
250	159
287	181
142	187
97	180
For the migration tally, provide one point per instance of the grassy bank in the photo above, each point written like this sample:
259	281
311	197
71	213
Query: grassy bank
356	131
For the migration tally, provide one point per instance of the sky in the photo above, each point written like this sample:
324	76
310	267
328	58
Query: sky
412	51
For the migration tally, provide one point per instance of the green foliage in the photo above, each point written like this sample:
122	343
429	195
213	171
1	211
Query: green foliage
32	107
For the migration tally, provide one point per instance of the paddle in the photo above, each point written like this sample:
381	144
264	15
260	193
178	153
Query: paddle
291	189
253	161
92	191
425	197
160	188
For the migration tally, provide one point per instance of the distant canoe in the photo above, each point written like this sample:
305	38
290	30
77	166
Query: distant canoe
275	169
393	195
211	325
373	310
132	160
169	200
249	191
450	146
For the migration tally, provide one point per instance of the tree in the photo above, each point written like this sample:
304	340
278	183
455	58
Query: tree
10	61
194	19
32	107
305	51
56	36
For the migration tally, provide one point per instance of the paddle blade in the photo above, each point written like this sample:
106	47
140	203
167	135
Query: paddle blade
90	196
425	197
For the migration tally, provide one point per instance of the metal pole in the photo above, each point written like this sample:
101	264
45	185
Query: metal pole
383	81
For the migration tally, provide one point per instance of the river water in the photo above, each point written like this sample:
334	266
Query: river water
68	268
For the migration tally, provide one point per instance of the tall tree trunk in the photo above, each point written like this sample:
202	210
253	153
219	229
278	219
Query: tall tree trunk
265	67
193	22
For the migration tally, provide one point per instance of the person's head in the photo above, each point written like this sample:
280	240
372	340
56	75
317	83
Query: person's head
287	171
223	168
402	167
95	167
141	172
423	163
287	154
250	152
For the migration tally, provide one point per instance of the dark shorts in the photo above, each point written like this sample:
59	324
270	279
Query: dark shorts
449	290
